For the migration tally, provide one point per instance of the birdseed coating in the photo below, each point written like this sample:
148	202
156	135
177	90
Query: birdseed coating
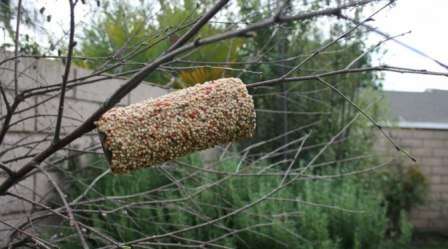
195	118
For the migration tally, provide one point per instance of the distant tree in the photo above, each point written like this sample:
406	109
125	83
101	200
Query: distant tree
30	16
128	30
310	102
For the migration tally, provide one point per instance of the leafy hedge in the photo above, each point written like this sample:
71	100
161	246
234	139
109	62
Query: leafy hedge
341	213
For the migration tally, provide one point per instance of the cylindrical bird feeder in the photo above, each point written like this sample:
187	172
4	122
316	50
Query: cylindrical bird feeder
158	130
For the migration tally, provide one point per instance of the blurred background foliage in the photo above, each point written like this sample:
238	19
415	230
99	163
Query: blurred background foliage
332	213
127	30
31	17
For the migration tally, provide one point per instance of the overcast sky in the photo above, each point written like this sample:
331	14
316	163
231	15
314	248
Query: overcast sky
426	19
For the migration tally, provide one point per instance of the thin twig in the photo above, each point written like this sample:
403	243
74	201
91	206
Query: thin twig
71	45
370	118
387	36
92	184
346	71
5	98
198	25
34	238
16	47
326	46
59	214
72	220
7	170
353	62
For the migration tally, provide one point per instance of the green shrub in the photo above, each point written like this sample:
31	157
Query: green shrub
403	188
341	213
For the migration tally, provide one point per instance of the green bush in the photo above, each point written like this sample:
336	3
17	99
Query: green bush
403	188
341	213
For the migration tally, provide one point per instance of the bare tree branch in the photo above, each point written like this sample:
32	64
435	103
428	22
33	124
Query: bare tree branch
71	46
198	25
5	98
16	47
389	37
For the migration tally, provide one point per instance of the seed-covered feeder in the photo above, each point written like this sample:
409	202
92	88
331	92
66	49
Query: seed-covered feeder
158	130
